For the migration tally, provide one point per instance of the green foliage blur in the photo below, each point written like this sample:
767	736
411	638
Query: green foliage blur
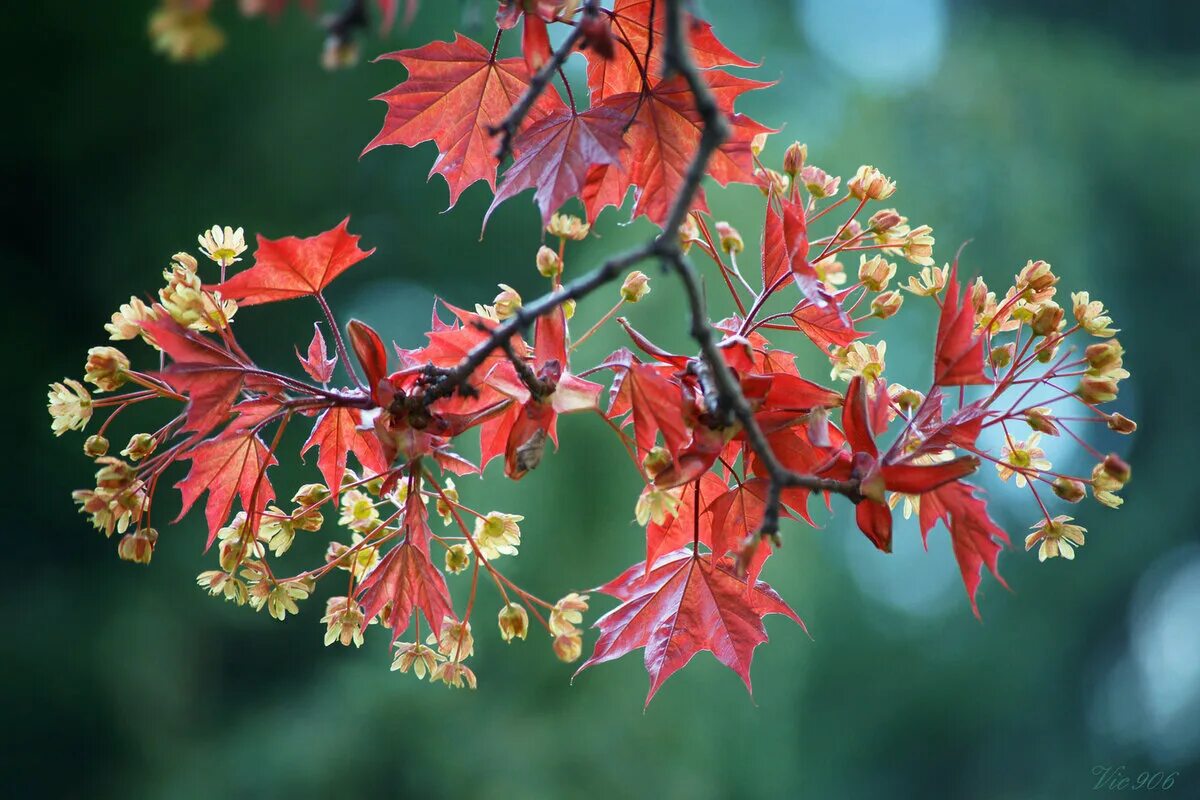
1053	131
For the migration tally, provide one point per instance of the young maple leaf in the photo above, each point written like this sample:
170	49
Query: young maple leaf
976	538
663	138
554	155
407	579
655	400
233	464
785	251
455	94
317	364
893	472
827	326
336	434
958	352
686	604
292	267
209	375
631	21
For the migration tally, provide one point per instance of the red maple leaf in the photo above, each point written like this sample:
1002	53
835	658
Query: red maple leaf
207	373
785	250
336	434
655	401
317	364
455	94
684	605
663	138
631	21
738	514
976	538
554	155
292	267
232	465
407	579
827	326
958	352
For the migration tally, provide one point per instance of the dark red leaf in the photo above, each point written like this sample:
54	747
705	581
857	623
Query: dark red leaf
684	605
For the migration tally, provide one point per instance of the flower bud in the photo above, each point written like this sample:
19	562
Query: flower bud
885	220
1104	358
887	304
870	184
1121	423
818	183
793	159
875	272
569	646
138	546
1116	468
106	368
549	265
1002	356
458	558
310	494
140	445
1095	389
1045	354
1041	419
731	240
566	226
635	287
507	302
95	446
1047	319
514	622
1070	490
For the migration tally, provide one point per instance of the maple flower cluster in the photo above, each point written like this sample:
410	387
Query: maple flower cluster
1018	364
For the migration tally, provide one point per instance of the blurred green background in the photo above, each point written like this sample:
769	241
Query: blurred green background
1064	131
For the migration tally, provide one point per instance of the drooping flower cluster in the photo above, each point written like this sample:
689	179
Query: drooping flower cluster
1003	363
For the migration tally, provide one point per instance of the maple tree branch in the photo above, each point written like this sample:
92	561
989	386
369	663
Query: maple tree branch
507	128
723	393
457	377
729	399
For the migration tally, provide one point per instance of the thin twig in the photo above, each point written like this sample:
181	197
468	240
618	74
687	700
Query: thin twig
507	127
